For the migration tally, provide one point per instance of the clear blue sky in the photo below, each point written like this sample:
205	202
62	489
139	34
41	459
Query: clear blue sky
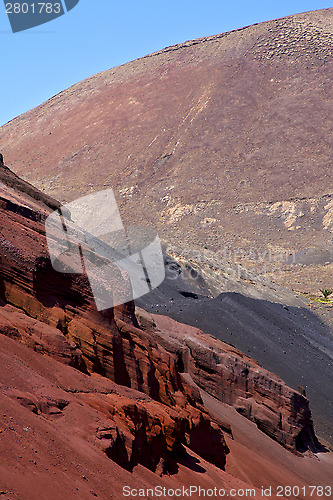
99	34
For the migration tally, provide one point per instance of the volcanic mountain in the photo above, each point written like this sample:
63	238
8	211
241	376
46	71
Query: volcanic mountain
222	142
222	145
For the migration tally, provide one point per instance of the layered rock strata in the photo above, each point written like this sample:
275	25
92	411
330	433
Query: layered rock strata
237	380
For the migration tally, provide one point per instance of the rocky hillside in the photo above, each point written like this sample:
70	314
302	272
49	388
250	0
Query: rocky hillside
287	333
80	387
220	142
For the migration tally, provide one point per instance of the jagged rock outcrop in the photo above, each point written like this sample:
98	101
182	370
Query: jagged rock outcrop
54	314
154	436
46	339
237	380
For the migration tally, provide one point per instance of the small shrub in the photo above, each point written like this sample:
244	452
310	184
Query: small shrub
326	292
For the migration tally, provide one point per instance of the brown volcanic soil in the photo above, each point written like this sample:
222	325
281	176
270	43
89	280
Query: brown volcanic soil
222	141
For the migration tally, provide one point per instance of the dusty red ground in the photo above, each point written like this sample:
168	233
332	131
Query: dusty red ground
55	454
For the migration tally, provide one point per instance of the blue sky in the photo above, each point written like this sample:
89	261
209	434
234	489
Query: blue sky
99	34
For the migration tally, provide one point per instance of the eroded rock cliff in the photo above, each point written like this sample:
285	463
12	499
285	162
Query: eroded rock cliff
237	380
54	314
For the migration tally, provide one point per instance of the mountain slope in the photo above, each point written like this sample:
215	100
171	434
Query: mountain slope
219	142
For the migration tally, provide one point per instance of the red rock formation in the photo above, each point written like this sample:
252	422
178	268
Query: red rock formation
66	434
235	379
58	317
70	421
